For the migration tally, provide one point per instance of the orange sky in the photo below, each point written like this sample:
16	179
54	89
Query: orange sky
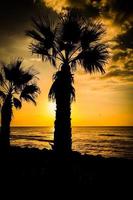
100	100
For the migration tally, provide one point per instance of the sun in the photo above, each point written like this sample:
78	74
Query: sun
52	108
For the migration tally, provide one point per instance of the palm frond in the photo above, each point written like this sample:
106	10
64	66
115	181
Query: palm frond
23	77
40	50
70	29
1	79
44	35
28	98
44	25
52	92
2	95
16	74
93	59
12	70
36	35
16	64
30	92
30	89
17	103
91	32
69	48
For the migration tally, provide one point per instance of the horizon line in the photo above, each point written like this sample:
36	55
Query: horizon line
73	126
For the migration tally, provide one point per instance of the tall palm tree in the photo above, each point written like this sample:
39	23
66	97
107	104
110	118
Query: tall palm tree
16	84
71	40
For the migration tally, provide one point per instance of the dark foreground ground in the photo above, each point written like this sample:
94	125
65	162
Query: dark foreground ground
43	170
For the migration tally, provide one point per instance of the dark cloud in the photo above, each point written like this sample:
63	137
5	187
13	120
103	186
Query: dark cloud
125	40
90	8
121	9
123	72
117	10
15	18
120	55
129	65
125	48
84	3
121	12
113	67
15	14
120	74
77	3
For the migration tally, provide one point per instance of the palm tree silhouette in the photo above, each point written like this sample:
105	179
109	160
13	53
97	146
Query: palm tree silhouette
70	40
16	84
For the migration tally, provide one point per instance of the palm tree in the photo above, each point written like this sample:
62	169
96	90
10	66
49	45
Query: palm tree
66	43
16	84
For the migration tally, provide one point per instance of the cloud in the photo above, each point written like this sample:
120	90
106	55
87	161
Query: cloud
121	74
113	67
15	18
124	46
120	10
88	7
59	4
119	55
125	40
14	14
129	65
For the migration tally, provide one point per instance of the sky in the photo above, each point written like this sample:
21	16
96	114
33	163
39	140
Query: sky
101	100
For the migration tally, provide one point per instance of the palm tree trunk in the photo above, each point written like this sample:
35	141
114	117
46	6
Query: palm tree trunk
62	133
6	114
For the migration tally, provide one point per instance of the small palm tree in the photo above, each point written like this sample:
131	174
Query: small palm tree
16	84
71	41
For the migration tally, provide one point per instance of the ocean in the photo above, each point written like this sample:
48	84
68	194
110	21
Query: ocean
105	141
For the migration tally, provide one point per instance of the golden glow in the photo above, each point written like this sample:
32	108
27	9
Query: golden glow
99	101
51	108
56	4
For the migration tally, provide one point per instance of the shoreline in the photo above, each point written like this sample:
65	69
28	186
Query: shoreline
18	149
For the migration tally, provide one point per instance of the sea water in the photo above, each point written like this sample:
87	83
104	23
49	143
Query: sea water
106	141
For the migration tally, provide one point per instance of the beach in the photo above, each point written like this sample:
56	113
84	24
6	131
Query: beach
44	169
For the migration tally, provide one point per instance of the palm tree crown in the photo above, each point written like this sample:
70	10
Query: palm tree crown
18	82
71	38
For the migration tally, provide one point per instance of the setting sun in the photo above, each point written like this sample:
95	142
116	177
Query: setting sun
51	108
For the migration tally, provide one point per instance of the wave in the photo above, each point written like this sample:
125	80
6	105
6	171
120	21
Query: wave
106	141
